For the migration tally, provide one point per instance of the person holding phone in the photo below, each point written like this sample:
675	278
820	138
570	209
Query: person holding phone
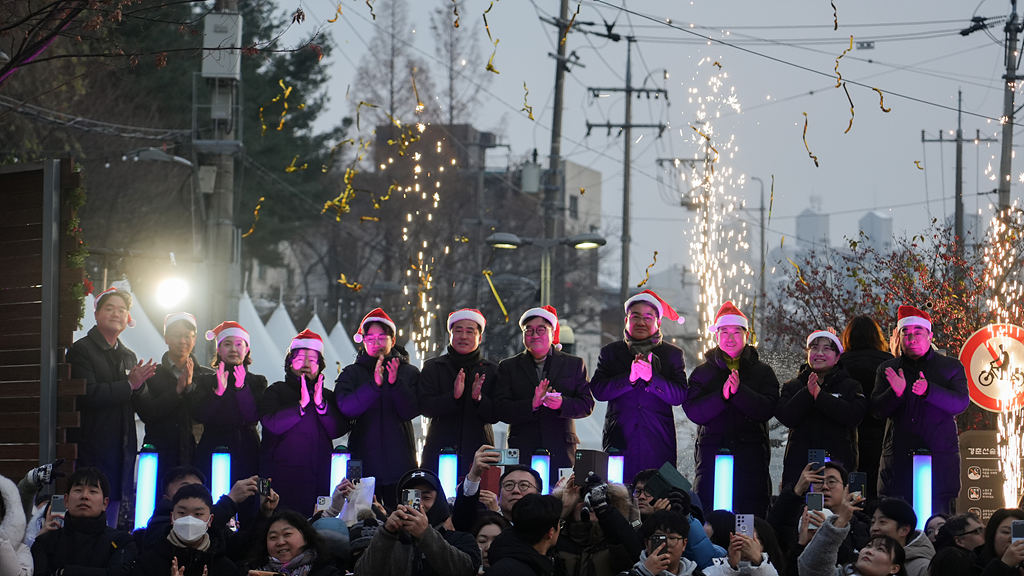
1001	554
300	422
665	535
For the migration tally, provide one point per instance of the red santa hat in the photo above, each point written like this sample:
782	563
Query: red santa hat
177	317
910	316
308	340
829	333
225	329
467	314
729	315
649	297
111	291
375	315
549	314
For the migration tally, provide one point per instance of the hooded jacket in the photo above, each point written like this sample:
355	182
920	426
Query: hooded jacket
106	437
819	557
438	551
919	551
229	420
604	548
828	422
915	422
510	555
297	442
382	435
785	518
739	424
84	547
157	561
15	556
639	419
686	568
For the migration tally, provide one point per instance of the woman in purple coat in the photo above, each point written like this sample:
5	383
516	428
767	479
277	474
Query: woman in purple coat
300	421
642	378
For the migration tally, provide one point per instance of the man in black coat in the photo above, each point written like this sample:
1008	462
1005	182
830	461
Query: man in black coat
525	548
641	377
920	393
85	545
456	393
732	396
541	391
164	401
106	438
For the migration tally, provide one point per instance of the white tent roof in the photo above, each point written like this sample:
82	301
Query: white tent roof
343	344
281	330
331	356
146	340
267	357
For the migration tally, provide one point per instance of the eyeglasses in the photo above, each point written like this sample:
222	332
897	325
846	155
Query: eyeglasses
539	331
640	492
976	532
376	339
671	540
180	336
830	483
522	484
645	318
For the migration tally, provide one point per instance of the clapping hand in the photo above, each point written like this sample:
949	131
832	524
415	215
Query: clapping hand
318	391
553	399
896	380
303	392
732	384
478	386
540	393
392	370
378	371
222	380
186	376
140	373
920	387
239	376
460	383
812	385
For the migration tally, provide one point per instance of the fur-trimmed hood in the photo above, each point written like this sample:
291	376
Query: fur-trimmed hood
12	527
618	497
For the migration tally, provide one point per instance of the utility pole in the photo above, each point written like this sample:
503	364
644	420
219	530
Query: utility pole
958	218
627	131
1012	28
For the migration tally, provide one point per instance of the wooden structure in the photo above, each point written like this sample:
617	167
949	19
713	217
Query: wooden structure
40	303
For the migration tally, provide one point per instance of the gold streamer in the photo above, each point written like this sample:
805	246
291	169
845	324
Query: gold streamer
835	16
490	61
813	157
360	105
416	93
717	63
368	219
526	105
354	286
571	22
371	9
255	219
851	107
487	274
799	274
293	168
487	27
839	77
455	2
582	190
330	159
462	239
647	271
881	101
336	15
713	149
918	164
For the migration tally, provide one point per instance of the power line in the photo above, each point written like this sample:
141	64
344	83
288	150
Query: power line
89	125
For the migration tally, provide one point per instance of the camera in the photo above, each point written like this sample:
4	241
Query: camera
411	498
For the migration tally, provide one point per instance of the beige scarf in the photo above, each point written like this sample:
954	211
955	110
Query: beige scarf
203	545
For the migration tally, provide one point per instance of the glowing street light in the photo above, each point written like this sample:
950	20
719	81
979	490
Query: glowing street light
585	241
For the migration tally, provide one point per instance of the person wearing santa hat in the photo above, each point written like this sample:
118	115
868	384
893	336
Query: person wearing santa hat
455	392
300	422
541	391
164	402
378	392
822	408
226	404
919	394
113	376
641	377
732	397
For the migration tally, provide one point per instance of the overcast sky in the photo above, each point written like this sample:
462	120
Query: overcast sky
917	52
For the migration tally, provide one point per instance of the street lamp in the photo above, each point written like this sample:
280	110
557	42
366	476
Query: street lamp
585	241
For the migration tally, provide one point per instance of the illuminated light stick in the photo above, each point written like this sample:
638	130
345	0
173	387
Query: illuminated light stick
541	462
145	489
616	465
922	486
448	470
220	480
724	467
339	466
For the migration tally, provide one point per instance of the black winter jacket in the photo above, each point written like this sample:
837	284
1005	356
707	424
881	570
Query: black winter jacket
84	547
297	443
167	414
460	423
915	422
531	429
382	435
157	561
785	518
160	523
606	548
510	555
862	366
106	438
639	420
828	422
739	424
229	420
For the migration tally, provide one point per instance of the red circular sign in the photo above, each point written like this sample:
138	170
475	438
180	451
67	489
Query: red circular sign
994	360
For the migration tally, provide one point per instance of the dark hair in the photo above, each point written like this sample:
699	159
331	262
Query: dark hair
898	511
184	323
177	473
667	521
863	333
955	527
951	561
843	474
388	329
123	294
770	544
527	319
992	528
534	515
314	541
644	476
320	362
216	356
89	477
486	518
933	517
521	468
893	548
831	343
193	491
722	524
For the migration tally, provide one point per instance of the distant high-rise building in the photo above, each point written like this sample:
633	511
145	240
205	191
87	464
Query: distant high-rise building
877	229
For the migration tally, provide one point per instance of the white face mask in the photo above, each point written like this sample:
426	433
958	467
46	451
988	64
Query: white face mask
189	528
